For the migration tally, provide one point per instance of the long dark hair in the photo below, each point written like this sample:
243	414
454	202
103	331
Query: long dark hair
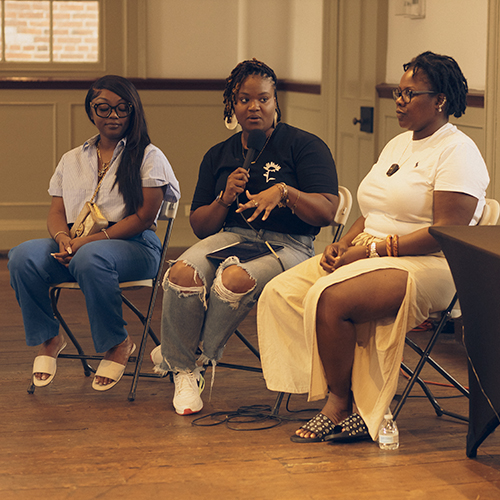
236	78
128	174
446	77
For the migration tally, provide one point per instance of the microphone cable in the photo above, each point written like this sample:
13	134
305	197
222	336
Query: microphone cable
256	142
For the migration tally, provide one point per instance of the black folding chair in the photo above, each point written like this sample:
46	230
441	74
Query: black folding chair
168	212
489	217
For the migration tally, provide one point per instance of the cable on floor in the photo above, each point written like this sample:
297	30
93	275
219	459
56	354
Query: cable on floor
253	414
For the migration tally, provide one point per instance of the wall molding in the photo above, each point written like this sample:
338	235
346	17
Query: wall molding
146	84
475	98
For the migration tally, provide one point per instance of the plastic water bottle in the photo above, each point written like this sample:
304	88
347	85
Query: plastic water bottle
388	434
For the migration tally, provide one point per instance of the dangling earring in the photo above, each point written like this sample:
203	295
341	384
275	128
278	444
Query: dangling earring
442	104
275	119
231	123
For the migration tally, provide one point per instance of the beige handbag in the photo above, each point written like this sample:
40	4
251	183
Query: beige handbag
90	220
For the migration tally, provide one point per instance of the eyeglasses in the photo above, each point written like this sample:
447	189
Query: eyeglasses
408	94
104	110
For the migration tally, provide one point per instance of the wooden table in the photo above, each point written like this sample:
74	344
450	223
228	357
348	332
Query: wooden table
473	254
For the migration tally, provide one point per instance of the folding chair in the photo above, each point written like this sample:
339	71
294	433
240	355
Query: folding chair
168	212
338	224
489	217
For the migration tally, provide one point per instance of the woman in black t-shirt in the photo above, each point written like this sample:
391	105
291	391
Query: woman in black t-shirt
288	192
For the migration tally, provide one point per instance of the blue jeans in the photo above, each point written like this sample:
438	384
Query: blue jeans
206	316
98	267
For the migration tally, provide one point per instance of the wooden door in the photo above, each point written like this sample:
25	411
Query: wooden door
354	62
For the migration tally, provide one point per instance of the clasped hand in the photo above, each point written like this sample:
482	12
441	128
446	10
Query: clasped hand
339	254
67	249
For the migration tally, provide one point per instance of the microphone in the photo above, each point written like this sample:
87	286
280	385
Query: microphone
392	169
256	141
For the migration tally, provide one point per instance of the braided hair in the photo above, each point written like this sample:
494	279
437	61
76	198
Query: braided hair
238	76
128	173
446	77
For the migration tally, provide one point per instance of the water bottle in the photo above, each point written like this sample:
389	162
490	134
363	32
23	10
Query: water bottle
388	434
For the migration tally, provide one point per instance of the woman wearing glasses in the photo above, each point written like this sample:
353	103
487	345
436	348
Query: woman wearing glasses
136	177
335	325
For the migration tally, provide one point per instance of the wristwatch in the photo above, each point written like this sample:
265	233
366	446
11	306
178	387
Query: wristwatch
373	250
220	201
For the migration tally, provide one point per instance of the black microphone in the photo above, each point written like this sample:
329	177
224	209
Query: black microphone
255	142
392	169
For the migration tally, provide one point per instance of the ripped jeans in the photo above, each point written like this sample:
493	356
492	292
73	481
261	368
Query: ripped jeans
205	317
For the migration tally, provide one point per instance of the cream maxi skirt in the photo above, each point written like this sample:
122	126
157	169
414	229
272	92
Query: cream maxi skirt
287	329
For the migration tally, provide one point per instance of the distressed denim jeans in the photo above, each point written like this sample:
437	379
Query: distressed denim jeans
205	317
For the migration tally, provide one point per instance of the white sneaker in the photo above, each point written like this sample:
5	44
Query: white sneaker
188	387
156	356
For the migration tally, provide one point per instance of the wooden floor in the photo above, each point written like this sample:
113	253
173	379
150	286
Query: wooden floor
67	441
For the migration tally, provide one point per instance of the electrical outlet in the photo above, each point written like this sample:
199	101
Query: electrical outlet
187	210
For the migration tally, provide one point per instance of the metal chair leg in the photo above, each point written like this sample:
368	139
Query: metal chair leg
425	358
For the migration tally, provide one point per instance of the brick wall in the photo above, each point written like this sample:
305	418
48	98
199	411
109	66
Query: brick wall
75	28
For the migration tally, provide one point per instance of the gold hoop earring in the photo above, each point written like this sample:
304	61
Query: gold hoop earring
231	123
275	119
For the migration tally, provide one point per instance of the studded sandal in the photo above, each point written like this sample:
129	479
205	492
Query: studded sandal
322	427
353	428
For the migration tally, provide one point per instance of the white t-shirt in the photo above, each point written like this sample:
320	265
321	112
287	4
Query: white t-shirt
448	160
75	179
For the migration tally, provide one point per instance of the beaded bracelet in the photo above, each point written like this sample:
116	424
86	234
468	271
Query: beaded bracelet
284	194
372	250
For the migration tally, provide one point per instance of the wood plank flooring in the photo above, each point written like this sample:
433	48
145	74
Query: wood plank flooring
67	441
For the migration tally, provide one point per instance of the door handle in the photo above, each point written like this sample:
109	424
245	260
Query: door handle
366	121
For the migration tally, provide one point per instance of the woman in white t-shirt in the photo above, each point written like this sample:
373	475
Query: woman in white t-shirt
335	324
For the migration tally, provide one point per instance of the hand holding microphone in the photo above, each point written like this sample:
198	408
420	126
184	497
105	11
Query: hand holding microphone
256	141
237	180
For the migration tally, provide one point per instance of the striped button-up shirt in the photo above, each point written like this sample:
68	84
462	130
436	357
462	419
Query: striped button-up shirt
75	179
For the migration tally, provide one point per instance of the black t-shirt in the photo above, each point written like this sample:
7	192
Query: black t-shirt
291	155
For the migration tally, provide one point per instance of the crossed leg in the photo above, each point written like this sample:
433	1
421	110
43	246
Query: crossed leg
370	296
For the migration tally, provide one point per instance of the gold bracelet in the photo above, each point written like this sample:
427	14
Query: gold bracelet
106	233
395	245
58	233
284	194
281	190
388	245
295	204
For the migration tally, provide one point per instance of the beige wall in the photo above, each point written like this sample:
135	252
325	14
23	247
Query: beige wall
207	38
183	124
457	28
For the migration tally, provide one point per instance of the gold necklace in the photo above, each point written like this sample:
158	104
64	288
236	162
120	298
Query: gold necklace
105	165
260	152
